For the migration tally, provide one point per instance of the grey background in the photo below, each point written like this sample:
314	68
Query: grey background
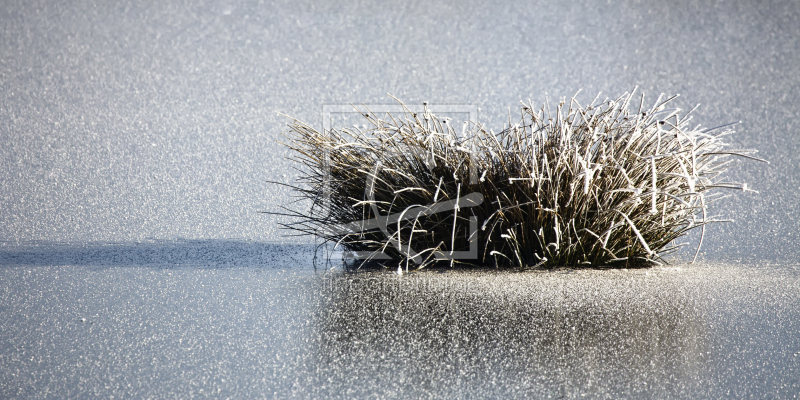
124	121
136	139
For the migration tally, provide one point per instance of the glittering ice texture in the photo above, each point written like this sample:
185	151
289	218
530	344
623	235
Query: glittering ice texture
152	123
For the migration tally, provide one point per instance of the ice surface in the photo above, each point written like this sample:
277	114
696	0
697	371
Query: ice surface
699	331
158	121
137	138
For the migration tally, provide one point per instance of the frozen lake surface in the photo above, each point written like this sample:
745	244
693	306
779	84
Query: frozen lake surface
237	319
127	126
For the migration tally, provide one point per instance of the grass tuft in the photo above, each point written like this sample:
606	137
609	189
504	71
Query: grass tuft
600	185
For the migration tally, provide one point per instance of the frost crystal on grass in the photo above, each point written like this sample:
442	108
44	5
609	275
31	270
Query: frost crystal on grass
569	185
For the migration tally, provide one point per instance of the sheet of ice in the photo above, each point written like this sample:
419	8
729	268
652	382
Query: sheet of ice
137	138
702	331
158	121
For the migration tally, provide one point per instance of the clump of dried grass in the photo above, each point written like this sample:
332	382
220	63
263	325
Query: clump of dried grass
571	185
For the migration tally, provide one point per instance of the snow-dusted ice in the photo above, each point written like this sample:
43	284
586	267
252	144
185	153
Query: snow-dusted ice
283	330
137	140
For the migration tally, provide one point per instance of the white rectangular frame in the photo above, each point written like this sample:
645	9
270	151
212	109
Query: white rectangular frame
397	109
